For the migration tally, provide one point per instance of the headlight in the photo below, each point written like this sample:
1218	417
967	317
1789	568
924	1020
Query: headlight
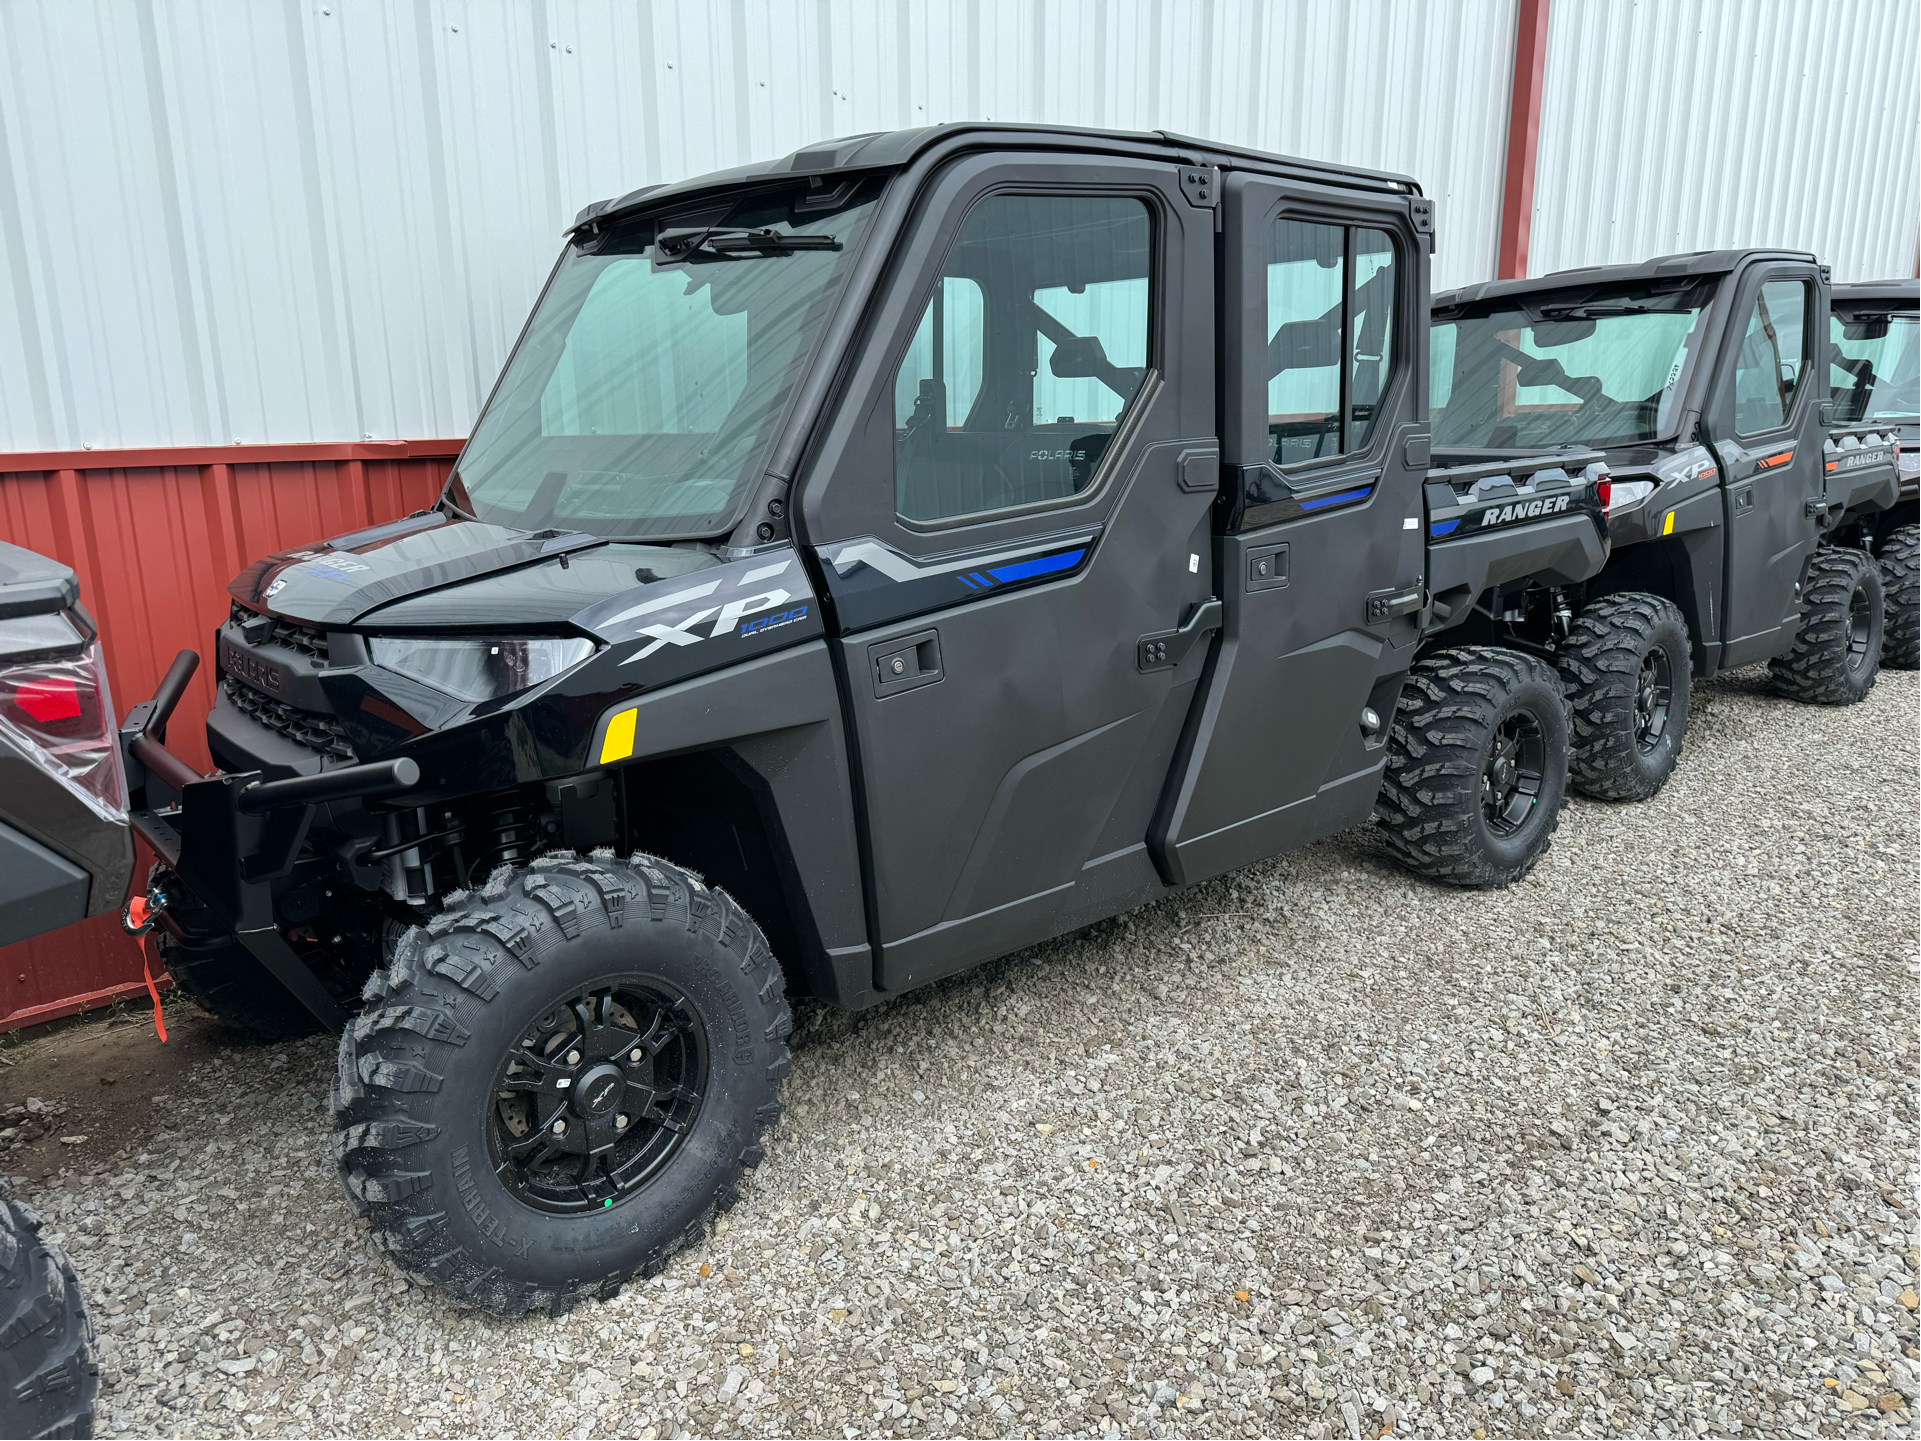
479	670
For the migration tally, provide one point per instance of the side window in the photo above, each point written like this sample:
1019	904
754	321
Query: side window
1034	343
1769	368
1331	295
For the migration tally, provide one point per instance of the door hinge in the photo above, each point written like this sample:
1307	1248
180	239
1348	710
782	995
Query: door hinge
1202	187
1388	604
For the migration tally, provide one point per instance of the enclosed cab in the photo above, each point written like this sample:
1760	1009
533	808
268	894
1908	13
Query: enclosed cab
867	564
1740	498
1874	360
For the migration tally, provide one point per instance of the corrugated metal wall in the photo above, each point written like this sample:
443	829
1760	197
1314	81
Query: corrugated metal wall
1670	126
225	220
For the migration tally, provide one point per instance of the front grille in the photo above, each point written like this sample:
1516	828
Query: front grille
307	640
311	729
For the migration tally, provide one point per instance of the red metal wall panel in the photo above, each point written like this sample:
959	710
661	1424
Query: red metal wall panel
154	537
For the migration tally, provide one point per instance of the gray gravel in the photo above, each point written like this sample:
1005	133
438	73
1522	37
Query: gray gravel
1319	1149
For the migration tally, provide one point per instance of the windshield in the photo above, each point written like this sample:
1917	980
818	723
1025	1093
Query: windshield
1875	367
643	396
1593	367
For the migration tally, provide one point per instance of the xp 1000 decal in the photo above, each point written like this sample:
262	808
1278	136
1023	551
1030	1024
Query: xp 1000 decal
670	629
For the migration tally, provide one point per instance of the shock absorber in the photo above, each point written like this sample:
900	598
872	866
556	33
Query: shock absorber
509	835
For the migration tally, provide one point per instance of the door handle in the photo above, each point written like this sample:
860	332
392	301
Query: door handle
1165	649
905	664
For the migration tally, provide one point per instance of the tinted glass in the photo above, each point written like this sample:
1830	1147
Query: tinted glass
647	385
1026	357
1872	367
1575	368
1767	372
1371	340
1306	269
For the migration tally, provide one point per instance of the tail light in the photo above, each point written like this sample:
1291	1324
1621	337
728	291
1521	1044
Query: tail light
55	707
1604	491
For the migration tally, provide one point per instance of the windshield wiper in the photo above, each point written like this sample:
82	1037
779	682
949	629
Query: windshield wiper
1590	312
724	242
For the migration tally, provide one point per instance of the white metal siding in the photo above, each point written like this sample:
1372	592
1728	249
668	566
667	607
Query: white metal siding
291	220
1668	127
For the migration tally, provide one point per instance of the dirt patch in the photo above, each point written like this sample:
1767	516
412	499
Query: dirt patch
74	1094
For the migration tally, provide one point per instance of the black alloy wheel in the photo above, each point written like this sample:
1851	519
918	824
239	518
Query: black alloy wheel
1861	628
1653	700
599	1095
1516	766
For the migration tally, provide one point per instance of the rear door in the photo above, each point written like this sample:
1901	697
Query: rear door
1763	423
1325	443
1011	517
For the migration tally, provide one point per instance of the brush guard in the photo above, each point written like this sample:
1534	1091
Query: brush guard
230	837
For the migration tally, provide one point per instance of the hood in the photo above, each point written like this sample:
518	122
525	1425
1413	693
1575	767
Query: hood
432	570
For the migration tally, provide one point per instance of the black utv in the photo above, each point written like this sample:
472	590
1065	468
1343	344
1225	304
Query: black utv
868	564
1745	503
1874	363
66	853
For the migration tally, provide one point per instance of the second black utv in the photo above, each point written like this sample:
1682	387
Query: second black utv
1746	507
868	564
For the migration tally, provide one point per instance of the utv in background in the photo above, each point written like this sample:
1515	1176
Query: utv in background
868	564
1741	508
66	853
1875	368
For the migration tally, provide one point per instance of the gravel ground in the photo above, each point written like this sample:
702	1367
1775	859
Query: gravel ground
1320	1149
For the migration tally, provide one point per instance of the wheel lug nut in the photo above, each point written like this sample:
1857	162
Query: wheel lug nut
620	1123
634	1055
560	1128
573	1058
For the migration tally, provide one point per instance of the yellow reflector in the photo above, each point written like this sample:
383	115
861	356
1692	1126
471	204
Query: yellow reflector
619	743
1667	528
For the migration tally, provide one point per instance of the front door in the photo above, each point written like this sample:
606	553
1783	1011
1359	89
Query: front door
1323	561
1012	520
1764	433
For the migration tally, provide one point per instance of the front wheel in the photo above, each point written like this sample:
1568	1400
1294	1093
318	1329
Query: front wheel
48	1378
559	1080
1476	767
1837	651
1629	676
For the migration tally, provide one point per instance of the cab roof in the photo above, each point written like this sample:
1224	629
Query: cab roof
891	149
1895	294
1693	262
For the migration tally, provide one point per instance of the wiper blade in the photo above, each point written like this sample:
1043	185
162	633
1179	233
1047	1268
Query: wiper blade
727	242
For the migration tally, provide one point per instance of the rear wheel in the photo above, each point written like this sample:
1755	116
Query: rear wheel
1476	768
48	1379
1629	673
1837	651
559	1081
1900	558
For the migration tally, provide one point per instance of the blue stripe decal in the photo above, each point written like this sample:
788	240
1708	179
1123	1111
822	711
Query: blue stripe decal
968	583
1045	565
1342	498
1442	527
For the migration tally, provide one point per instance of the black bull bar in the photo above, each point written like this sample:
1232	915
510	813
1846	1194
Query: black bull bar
230	837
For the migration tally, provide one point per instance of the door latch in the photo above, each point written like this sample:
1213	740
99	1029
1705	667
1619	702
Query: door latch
1165	649
905	664
1388	604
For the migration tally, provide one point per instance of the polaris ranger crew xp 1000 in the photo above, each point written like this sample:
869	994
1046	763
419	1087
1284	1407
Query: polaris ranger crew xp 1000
1875	369
1741	508
868	564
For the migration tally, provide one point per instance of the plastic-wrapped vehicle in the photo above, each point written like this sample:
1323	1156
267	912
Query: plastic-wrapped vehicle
1741	506
868	563
65	854
1875	367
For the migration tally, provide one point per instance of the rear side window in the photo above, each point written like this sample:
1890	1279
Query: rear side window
1769	369
1874	367
1033	345
1331	296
